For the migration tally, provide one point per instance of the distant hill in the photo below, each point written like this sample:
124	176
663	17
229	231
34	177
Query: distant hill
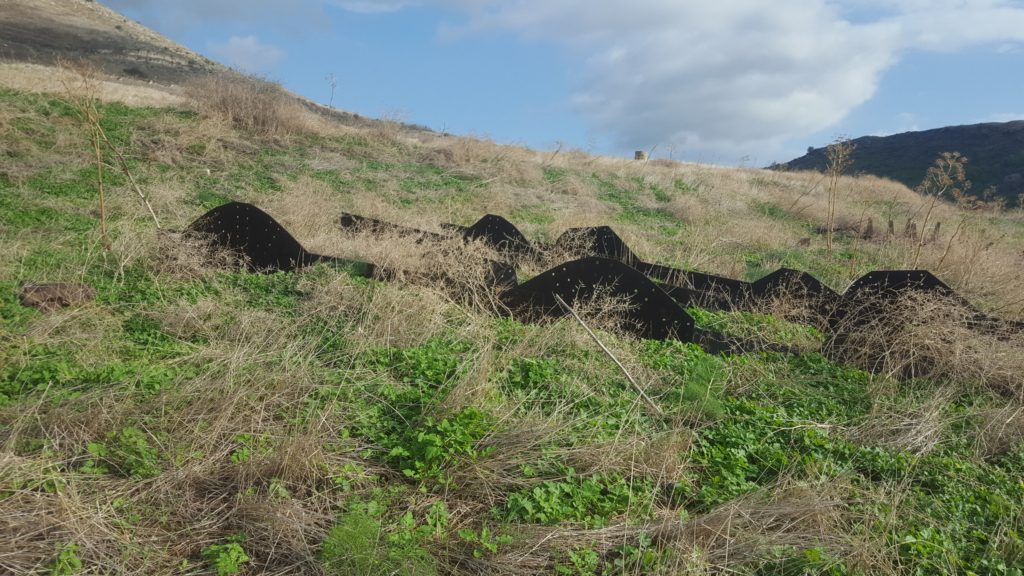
36	35
44	31
995	153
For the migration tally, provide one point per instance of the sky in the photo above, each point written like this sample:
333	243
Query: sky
733	82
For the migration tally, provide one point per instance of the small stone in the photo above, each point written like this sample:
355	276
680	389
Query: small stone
49	297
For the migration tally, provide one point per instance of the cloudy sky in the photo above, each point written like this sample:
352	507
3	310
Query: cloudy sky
726	81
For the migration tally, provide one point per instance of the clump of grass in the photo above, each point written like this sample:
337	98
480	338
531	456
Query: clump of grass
932	337
249	103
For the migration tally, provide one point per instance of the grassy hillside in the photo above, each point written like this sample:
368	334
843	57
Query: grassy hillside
194	419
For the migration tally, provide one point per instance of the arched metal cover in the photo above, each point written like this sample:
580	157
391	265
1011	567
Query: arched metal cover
359	223
657	293
653	313
895	282
596	241
797	285
500	234
253	235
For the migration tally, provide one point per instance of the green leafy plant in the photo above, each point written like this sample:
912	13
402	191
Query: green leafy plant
250	445
426	452
360	543
67	562
592	500
227	559
127	451
760	326
641	557
579	562
484	540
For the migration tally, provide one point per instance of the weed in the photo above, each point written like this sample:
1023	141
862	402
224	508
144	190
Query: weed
584	561
360	544
427	452
484	541
554	175
752	326
641	557
67	562
229	558
632	211
128	451
591	500
249	103
839	159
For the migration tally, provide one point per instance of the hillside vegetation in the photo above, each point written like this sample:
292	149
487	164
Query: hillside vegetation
995	151
195	419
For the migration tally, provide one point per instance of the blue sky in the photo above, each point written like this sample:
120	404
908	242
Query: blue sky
728	82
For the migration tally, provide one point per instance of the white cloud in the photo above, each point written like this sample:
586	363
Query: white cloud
374	6
723	78
741	76
247	53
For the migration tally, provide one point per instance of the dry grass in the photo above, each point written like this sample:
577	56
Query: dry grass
999	430
916	425
260	368
249	103
38	78
742	533
254	368
932	337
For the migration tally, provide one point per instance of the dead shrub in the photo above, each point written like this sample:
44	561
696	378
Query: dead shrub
999	430
249	103
914	425
931	336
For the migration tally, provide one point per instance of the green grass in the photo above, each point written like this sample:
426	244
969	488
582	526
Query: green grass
762	326
627	194
532	214
267	409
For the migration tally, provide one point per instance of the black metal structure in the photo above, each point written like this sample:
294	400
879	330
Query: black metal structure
254	236
652	313
656	294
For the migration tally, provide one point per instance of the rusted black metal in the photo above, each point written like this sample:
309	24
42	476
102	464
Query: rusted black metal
657	295
706	290
795	286
873	295
688	287
254	236
363	224
596	241
500	234
898	282
651	312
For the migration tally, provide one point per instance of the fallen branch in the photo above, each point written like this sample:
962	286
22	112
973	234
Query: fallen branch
629	377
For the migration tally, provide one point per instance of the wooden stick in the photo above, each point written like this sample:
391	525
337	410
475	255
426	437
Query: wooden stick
629	377
127	172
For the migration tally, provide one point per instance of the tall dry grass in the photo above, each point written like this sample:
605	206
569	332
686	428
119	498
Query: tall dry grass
932	337
253	104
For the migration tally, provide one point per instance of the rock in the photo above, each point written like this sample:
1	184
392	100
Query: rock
49	297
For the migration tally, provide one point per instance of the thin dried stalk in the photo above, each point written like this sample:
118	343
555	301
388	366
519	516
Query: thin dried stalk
650	403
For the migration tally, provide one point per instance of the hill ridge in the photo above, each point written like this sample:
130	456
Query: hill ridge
995	153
